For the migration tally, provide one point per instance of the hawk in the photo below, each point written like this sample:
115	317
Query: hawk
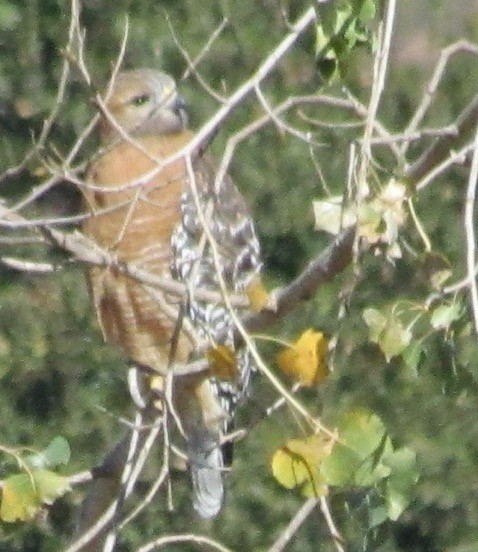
148	214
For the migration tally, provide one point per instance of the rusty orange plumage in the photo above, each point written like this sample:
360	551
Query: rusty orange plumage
155	226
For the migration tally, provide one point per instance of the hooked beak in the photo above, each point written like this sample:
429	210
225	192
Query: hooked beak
179	108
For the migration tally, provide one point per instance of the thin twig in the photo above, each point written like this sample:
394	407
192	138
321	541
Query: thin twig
294	525
333	260
196	539
208	130
470	231
50	120
86	251
126	476
465	123
163	474
248	341
454	158
430	91
87	536
282	125
192	65
117	466
336	536
380	71
207	47
30	266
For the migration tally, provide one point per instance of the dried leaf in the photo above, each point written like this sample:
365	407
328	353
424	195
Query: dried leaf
25	108
222	362
381	218
306	360
436	268
370	222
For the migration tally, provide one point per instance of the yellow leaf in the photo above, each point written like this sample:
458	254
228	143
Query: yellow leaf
306	359
222	362
257	294
19	499
297	464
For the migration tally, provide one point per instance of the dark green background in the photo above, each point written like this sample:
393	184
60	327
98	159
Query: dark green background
54	369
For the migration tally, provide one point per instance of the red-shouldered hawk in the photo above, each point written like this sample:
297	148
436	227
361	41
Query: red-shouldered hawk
156	227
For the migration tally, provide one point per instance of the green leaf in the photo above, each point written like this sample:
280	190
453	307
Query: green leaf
376	323
377	516
388	332
397	502
403	463
339	468
444	315
50	486
367	11
395	339
362	431
370	473
328	69
10	15
56	453
339	30
331	216
322	41
355	459
412	356
24	493
400	484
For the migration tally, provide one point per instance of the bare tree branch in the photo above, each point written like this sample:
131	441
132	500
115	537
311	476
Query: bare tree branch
172	539
294	525
49	121
465	123
333	260
113	481
336	536
380	71
461	46
470	231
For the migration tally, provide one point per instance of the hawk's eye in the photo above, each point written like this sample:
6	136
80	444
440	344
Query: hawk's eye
141	99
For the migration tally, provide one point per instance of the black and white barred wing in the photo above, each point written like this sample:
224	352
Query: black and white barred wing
237	262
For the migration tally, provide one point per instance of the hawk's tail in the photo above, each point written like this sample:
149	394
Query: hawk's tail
206	465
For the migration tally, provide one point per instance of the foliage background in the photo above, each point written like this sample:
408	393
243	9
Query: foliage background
54	368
